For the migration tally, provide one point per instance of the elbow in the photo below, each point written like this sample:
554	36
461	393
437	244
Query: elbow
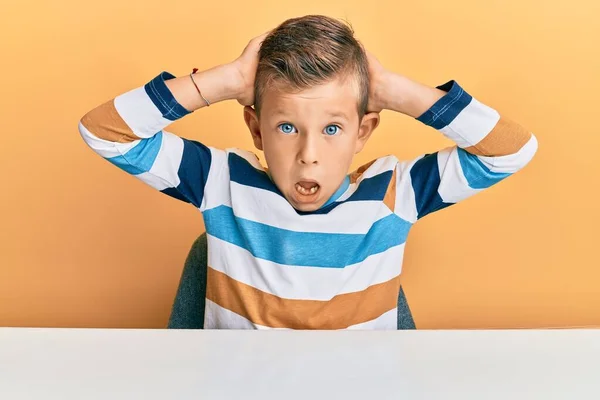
528	151
517	161
514	162
81	129
84	132
87	126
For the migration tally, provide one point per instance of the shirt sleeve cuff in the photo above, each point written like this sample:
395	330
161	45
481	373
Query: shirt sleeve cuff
162	97
448	107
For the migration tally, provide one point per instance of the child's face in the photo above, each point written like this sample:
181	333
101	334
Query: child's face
309	139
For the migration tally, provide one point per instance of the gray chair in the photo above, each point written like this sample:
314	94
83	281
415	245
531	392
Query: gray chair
188	308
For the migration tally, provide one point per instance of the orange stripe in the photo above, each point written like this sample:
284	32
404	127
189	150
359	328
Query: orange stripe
105	122
269	310
358	173
390	195
507	137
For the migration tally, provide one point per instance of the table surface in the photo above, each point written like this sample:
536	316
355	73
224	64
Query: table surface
52	363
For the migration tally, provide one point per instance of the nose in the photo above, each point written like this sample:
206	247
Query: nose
308	153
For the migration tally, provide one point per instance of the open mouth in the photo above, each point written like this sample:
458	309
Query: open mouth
307	189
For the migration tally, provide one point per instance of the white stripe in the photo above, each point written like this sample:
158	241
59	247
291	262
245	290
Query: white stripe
164	172
386	321
105	148
217	317
472	124
454	187
302	283
349	192
139	113
216	190
406	204
383	164
270	208
511	163
154	181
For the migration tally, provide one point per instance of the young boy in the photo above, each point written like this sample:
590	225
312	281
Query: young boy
303	244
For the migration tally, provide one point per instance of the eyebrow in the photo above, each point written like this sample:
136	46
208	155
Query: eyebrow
331	114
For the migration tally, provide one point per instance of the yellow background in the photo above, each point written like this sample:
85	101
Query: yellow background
82	244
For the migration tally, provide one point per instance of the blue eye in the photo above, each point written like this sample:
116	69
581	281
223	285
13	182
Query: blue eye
331	132
287	132
288	129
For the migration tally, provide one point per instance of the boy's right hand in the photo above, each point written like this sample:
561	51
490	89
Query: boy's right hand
246	65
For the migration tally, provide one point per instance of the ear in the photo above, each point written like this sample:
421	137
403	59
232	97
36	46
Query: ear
368	124
254	126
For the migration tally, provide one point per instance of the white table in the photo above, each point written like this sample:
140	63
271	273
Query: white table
196	364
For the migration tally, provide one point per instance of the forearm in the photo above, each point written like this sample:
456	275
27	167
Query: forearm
216	84
401	94
144	111
482	130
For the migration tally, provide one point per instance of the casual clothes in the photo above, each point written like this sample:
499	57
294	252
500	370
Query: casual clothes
271	266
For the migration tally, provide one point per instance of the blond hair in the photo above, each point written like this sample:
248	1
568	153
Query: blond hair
311	50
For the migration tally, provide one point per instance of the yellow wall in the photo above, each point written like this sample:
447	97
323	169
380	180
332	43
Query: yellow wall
83	244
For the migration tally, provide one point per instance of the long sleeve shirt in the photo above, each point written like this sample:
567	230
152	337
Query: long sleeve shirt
271	266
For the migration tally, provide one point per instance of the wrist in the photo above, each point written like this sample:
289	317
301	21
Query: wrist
383	92
230	81
238	83
406	96
395	92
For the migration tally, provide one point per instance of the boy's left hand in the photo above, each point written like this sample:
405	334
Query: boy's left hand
391	91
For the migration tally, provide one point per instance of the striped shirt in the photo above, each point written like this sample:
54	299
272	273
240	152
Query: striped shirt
271	266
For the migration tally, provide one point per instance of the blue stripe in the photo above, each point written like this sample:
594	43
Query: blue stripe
242	172
141	157
443	112
193	171
340	191
328	250
162	97
477	173
173	192
372	188
425	177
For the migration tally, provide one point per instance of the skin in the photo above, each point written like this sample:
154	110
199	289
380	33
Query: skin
310	137
305	143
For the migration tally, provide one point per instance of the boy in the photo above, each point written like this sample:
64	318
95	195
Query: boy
302	244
